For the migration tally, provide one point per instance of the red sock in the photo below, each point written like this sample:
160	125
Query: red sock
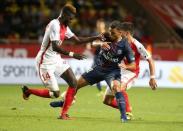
40	92
114	103
68	100
128	107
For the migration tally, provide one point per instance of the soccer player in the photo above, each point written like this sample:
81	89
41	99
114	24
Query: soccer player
128	77
49	61
107	68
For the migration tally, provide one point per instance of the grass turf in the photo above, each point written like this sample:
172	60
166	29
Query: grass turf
160	110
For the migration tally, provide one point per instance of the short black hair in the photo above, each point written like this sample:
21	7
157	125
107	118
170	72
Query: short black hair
128	26
115	24
68	8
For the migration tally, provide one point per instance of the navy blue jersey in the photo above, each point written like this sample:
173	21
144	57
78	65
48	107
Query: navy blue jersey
97	51
106	63
111	58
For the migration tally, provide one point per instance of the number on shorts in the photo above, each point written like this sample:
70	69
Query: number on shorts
46	76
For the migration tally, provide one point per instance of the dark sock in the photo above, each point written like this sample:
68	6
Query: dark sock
99	87
121	104
128	107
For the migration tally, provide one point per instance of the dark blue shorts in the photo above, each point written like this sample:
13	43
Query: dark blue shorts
99	73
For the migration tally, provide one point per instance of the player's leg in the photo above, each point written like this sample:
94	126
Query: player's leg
109	98
87	78
70	78
128	107
84	80
125	94
99	87
80	83
127	80
49	80
119	99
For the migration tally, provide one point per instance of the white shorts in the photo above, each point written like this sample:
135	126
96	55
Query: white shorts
127	77
48	72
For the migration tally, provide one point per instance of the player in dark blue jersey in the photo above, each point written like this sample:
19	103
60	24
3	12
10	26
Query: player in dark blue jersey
107	66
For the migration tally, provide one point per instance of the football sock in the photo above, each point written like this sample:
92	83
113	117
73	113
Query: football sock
68	100
121	104
114	103
128	107
40	92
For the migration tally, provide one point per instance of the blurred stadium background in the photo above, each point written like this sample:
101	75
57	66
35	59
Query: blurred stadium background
158	25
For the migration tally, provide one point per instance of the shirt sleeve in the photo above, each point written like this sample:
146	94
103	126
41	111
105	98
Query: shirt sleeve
69	33
129	53
143	52
54	31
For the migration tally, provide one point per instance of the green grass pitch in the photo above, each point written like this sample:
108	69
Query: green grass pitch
160	110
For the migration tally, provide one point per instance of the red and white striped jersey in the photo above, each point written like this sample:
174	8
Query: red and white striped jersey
54	32
139	51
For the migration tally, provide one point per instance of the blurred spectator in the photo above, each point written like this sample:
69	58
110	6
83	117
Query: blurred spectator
25	19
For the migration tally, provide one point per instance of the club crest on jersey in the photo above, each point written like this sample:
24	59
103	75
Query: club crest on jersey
119	52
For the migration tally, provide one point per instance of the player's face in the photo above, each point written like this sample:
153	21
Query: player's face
124	34
115	34
68	17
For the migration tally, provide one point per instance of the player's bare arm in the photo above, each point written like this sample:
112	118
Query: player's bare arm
152	81
64	52
131	66
81	40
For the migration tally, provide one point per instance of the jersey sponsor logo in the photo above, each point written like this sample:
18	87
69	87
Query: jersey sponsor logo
109	57
176	74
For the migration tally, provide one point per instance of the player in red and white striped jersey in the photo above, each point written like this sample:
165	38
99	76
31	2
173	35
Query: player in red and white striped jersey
128	77
50	63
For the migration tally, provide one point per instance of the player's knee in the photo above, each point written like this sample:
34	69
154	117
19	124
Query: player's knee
123	87
81	83
116	85
54	94
73	83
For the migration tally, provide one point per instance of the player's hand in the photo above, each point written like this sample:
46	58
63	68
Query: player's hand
105	37
79	56
101	37
105	45
122	66
153	84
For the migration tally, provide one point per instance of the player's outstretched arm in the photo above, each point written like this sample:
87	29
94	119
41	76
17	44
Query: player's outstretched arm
131	66
152	81
81	40
64	52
